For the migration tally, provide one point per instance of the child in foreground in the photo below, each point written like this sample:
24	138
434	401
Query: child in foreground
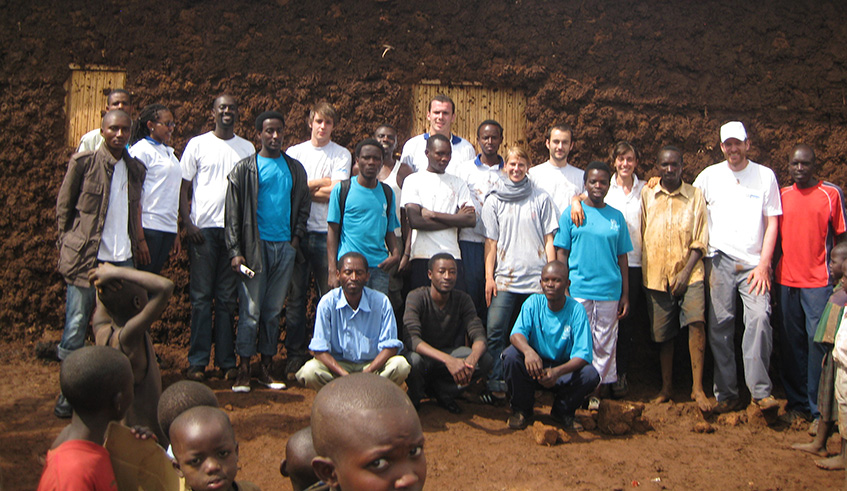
97	382
128	303
205	451
297	464
367	435
180	397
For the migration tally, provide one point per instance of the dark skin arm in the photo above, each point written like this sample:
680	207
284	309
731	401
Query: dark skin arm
330	362
623	305
380	360
393	251
192	232
680	282
545	376
423	219
333	237
407	241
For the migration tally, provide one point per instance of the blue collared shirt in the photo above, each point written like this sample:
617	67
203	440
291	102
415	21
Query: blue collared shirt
355	335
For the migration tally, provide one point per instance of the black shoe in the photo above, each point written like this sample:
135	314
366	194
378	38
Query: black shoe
63	409
47	350
242	380
518	420
449	404
293	365
266	379
197	374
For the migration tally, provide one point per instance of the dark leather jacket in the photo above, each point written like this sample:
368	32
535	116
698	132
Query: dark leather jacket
242	193
81	209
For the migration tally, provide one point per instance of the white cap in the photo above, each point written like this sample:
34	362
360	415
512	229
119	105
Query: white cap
733	129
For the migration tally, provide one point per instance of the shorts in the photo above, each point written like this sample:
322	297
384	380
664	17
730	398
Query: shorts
669	314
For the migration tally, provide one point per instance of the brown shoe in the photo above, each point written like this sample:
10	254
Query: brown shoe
727	406
197	374
766	403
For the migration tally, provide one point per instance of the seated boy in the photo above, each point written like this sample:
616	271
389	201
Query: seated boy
205	450
97	382
128	302
367	436
297	464
180	397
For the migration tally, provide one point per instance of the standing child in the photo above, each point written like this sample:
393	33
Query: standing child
128	302
97	382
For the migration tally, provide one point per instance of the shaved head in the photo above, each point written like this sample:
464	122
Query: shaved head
180	397
556	267
297	465
113	115
200	416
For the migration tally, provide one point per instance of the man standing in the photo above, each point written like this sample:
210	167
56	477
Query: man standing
118	99
742	201
355	331
361	219
675	236
267	205
441	115
551	349
812	219
481	175
98	214
327	163
437	205
438	319
557	177
206	162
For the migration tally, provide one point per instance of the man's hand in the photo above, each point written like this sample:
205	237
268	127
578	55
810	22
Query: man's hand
549	378
405	260
235	263
760	279
389	262
577	213
490	291
653	182
459	370
533	364
143	433
467	210
680	283
332	278
176	250
623	307
104	275
143	253
193	233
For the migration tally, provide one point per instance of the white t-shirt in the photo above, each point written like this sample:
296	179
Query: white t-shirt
90	141
391	180
839	351
414	151
115	245
442	193
332	161
561	183
206	162
738	204
630	206
160	195
480	179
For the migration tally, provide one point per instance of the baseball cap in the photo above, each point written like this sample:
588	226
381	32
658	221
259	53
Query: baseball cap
733	129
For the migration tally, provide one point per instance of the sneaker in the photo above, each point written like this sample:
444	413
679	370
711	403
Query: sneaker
266	379
766	403
518	421
242	379
727	406
620	388
63	409
593	404
197	374
813	427
47	350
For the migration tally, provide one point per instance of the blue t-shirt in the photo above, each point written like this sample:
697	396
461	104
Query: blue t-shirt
556	336
366	216
594	249
273	211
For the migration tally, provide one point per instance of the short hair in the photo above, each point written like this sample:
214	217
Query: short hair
442	98
150	112
839	248
437	137
260	119
118	91
326	110
221	96
489	122
180	397
519	153
439	257
352	255
115	112
202	415
560	127
803	146
368	142
671	148
596	165
622	147
297	465
386	125
347	395
126	302
92	376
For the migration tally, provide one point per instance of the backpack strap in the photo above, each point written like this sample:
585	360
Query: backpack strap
342	200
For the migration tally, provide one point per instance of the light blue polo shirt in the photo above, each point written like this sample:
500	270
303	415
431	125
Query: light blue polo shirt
366	216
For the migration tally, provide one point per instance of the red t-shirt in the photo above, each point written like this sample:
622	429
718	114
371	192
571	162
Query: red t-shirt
809	222
78	465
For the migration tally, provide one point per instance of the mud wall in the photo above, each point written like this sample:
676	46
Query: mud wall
653	72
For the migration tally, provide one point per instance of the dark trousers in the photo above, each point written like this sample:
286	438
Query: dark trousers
430	376
160	244
570	390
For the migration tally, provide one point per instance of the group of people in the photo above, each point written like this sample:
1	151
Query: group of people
449	265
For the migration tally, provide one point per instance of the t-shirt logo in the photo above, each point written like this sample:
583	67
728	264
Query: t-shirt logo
614	225
566	332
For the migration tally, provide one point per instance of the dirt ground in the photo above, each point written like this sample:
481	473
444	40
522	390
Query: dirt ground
473	450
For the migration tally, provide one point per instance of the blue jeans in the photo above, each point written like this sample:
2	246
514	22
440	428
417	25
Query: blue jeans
502	313
378	280
313	247
261	298
211	279
571	389
801	355
78	307
159	243
473	259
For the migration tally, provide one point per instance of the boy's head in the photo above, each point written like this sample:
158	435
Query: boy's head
297	464
181	397
123	301
205	450
836	261
367	435
97	380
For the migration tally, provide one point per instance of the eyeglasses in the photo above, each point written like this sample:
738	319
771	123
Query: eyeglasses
169	124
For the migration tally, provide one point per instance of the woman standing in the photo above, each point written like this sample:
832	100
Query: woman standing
520	222
160	196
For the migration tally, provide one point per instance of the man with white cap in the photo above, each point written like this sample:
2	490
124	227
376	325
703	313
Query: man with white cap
743	203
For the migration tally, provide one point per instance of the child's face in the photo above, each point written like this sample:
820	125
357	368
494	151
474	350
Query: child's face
836	265
207	456
385	451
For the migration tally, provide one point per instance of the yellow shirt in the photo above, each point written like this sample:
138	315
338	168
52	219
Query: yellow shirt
672	224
